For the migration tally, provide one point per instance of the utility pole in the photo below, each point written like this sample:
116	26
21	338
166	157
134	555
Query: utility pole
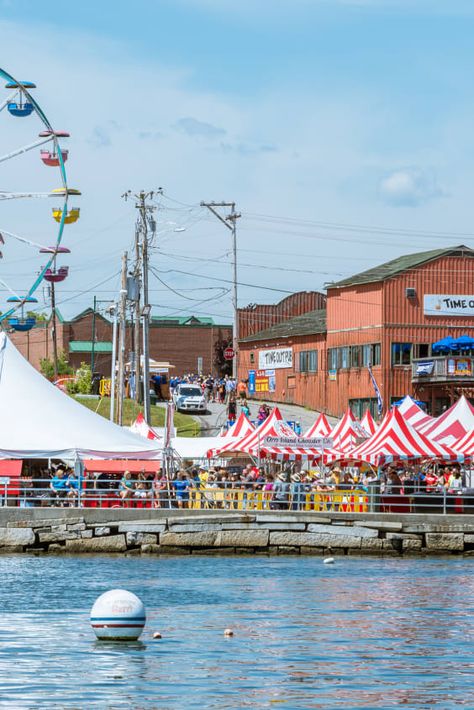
54	334
114	313
230	221
123	326
136	338
93	337
145	233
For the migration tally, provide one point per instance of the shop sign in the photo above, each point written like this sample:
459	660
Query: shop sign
251	382
448	305
459	367
275	359
332	375
265	381
316	442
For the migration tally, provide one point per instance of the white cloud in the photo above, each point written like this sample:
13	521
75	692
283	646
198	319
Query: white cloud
409	187
193	127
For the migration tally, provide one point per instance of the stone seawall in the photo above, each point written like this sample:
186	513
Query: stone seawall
159	532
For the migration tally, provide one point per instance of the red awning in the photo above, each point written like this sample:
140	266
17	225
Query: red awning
11	468
119	466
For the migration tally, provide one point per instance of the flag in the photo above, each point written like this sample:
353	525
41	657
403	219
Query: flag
140	426
377	391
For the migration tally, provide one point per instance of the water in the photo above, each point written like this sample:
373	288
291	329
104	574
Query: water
363	633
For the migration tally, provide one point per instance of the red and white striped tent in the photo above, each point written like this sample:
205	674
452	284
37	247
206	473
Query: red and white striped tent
453	424
413	414
273	439
241	428
347	432
397	440
465	445
140	426
368	423
321	427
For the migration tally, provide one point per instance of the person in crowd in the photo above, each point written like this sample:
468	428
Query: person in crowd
126	486
242	390
244	408
72	485
297	492
262	414
181	489
455	483
281	492
59	488
221	392
232	408
268	490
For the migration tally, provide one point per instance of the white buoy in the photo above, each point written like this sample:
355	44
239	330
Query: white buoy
228	632
328	561
118	615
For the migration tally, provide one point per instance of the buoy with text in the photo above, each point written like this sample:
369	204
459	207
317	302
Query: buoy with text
118	615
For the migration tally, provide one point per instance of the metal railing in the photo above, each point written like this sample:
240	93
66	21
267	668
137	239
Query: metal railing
113	492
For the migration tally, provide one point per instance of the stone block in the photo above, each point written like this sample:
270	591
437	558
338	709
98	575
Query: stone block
380	524
58	528
140	538
56	549
244	550
215	551
86	533
101	530
403	536
242	538
313	539
342	530
170	550
141	527
7	549
281	526
150	549
198	539
112	543
445	541
469	539
16	536
195	527
75	526
59	536
371	543
285	517
288	550
411	544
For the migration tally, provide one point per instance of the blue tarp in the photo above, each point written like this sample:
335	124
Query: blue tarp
449	344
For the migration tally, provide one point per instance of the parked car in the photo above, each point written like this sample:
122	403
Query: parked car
189	398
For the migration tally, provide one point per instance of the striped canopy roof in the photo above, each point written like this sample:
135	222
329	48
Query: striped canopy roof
465	445
321	427
241	428
368	423
347	432
256	443
414	414
397	440
453	424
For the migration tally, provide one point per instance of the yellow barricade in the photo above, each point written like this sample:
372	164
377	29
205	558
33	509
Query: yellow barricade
341	501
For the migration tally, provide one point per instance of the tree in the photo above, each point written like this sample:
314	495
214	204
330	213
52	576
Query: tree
40	317
222	366
47	366
82	384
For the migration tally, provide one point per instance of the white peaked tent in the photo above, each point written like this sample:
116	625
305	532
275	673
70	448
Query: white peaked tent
37	420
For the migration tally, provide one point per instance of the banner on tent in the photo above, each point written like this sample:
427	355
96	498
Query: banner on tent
448	305
315	442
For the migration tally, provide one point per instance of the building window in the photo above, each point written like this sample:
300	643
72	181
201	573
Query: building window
332	359
355	356
252	358
421	350
376	353
308	361
371	354
401	353
291	382
344	358
360	406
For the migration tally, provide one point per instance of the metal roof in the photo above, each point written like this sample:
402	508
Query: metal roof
309	323
398	266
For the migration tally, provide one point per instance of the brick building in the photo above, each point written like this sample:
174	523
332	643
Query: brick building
388	317
186	342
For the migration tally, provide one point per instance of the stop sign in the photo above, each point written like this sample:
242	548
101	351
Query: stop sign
229	354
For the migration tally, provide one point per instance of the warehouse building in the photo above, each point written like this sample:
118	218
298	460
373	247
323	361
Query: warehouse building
387	319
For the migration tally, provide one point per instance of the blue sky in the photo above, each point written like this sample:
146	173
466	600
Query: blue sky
310	114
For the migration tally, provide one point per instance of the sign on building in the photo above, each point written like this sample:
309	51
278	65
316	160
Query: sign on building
275	359
265	381
442	304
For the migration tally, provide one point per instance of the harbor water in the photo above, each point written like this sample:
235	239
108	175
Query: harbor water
362	633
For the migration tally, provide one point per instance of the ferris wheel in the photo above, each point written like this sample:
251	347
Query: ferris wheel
19	105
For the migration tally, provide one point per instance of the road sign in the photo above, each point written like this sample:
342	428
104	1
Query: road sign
229	354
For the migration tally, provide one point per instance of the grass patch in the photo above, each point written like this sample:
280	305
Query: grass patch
185	425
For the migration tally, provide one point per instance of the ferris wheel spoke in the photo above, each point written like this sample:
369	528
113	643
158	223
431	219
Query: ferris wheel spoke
8	100
24	240
21	195
25	149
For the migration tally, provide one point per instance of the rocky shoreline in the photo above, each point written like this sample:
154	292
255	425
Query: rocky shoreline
173	532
